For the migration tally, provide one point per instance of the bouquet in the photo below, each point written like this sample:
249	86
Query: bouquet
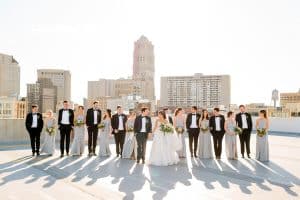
166	128
79	122
238	130
101	126
204	129
50	131
261	132
130	129
179	130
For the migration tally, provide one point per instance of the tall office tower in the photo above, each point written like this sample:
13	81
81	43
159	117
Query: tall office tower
61	79
200	90
143	68
33	95
9	76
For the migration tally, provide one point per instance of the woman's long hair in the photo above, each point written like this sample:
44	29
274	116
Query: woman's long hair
108	114
163	114
264	112
177	111
202	115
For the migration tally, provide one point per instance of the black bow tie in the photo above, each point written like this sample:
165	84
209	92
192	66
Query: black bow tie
65	109
34	113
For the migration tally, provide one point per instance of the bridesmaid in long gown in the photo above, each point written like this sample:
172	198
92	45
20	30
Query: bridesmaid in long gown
262	144
105	135
130	145
230	137
205	146
48	146
179	124
77	148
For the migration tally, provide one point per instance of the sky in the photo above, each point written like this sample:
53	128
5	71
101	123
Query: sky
257	42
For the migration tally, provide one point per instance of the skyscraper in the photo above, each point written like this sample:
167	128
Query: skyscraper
199	90
9	76
59	78
143	68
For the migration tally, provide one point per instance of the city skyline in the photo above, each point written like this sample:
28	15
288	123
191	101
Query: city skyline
250	41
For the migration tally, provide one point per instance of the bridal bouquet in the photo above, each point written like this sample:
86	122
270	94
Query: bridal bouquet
238	130
101	126
261	132
129	129
79	122
50	131
166	128
179	130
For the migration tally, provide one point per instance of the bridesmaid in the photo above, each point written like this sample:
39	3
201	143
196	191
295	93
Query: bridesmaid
230	136
179	124
48	146
105	135
205	147
262	144
77	148
130	145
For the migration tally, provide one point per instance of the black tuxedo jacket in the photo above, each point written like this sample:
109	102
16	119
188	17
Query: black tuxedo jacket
189	120
40	122
71	116
238	119
212	124
115	121
138	124
90	117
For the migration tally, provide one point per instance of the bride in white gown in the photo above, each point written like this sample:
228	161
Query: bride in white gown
165	145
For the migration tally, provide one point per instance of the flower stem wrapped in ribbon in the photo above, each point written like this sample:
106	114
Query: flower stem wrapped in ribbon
204	129
261	132
101	126
129	129
78	122
166	128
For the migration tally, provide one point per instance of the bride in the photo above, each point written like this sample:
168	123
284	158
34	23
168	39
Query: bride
165	144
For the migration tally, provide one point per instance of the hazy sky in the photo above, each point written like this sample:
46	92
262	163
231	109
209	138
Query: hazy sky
257	42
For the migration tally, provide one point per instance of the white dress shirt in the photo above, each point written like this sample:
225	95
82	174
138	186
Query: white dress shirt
65	117
95	116
143	130
121	125
244	121
218	123
194	121
34	121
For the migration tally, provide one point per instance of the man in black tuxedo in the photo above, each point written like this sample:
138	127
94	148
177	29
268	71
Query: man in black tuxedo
142	128
217	129
34	124
169	118
244	121
93	119
118	123
192	125
65	126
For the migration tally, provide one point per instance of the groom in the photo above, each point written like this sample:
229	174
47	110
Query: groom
142	128
244	121
192	125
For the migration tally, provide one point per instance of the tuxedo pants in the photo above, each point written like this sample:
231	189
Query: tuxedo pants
218	139
141	139
245	140
65	131
193	139
119	139
92	138
35	135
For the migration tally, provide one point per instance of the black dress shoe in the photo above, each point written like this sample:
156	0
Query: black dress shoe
62	155
33	153
38	154
94	154
195	156
249	156
243	156
143	161
138	161
67	154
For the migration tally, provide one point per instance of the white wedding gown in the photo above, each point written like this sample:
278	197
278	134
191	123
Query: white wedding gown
164	147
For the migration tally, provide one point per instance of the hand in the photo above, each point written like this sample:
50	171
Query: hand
150	136
116	131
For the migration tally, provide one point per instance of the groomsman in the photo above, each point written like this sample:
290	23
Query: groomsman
217	129
118	123
93	119
34	124
192	125
244	121
142	128
169	118
65	126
